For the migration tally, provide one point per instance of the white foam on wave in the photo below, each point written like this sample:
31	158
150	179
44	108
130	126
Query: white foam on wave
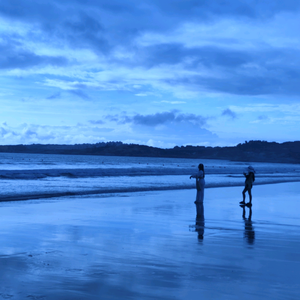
41	176
61	187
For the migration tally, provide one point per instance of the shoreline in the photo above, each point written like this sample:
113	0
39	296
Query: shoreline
116	191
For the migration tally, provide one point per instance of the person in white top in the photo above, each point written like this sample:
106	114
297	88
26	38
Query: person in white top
200	183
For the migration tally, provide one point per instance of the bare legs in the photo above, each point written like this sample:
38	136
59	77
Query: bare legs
250	196
244	196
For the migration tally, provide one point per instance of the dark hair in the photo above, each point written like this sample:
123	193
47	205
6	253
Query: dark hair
201	167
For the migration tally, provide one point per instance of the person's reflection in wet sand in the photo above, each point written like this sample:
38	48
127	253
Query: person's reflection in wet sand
199	227
249	233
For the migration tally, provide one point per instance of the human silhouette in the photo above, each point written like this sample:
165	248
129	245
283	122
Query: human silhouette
250	178
200	183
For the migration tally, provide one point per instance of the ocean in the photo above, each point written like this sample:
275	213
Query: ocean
85	232
34	176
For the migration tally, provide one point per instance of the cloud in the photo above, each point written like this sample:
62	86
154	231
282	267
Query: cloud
54	96
170	128
173	102
169	135
191	57
196	52
97	122
228	112
286	108
3	131
142	95
14	56
80	94
102	25
114	31
152	120
45	134
262	117
176	9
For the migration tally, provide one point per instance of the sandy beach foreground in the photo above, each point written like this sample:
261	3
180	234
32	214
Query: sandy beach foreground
150	246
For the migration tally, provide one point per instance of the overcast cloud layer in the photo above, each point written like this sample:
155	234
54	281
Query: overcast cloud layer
161	73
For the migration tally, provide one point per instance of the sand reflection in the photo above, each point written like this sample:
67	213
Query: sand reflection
249	233
199	227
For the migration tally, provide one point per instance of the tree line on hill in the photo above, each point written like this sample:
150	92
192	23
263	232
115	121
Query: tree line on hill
256	151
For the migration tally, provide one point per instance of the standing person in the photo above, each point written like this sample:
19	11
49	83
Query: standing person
250	178
200	183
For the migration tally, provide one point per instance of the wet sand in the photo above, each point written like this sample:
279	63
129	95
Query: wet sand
151	246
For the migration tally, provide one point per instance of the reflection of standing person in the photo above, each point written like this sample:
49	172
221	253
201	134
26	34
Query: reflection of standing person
249	232
200	183
250	178
200	220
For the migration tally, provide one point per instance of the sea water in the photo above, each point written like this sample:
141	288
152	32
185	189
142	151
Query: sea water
32	176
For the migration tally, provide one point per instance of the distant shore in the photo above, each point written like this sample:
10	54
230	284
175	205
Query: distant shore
252	151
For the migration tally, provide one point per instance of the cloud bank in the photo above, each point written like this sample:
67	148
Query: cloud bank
119	68
121	35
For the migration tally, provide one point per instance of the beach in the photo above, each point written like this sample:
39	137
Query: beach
149	245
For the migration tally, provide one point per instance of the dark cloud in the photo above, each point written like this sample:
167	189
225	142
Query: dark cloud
229	113
153	120
97	122
3	131
174	53
80	94
80	86
263	118
113	118
30	133
84	31
243	72
101	26
176	9
31	10
54	96
171	117
59	22
248	85
208	9
104	24
172	127
264	72
14	56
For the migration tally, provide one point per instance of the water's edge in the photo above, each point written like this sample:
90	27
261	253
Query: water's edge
110	192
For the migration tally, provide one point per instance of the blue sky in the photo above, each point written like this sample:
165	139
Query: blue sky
160	73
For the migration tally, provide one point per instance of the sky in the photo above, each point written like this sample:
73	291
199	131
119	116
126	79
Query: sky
154	72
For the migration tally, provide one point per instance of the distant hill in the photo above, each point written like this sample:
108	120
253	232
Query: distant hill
256	151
